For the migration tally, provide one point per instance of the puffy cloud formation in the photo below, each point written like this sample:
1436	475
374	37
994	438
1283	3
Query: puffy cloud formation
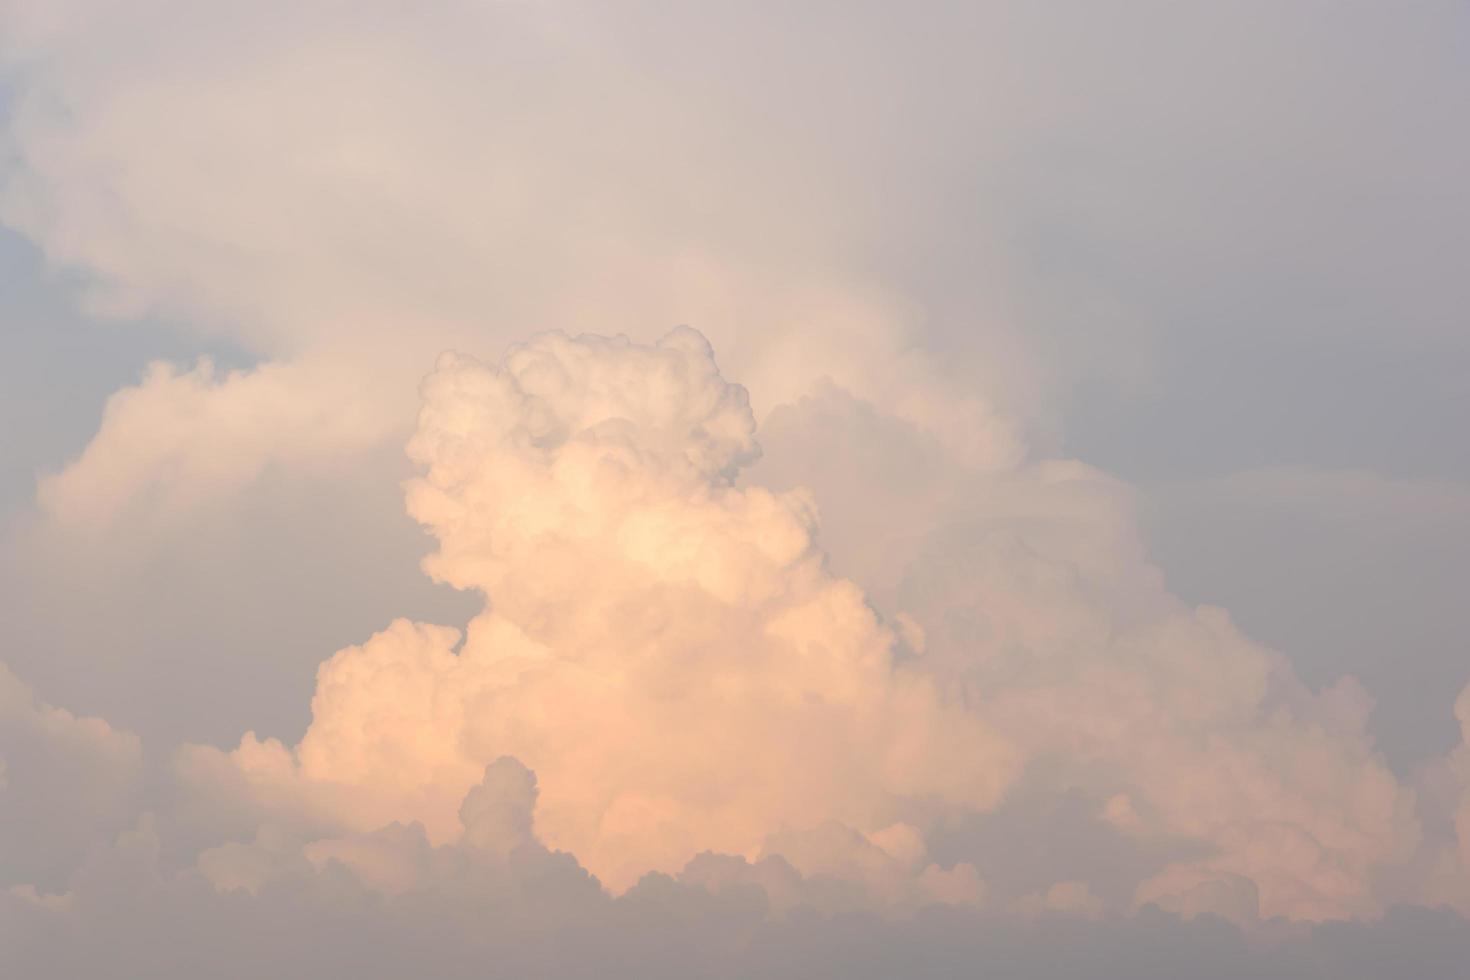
1445	789
1036	599
178	437
673	692
666	649
958	725
447	174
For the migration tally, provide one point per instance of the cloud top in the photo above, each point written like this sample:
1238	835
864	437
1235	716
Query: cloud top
665	648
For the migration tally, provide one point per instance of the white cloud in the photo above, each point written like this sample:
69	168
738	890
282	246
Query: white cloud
664	648
1036	598
323	191
668	651
169	445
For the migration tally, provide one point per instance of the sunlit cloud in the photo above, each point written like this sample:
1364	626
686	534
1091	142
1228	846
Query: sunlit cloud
608	502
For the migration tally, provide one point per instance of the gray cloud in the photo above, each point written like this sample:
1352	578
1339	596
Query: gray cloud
527	912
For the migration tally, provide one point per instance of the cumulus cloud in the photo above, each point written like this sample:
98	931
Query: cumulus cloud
1443	869
669	649
1462	763
361	234
1035	597
178	438
673	696
666	649
834	672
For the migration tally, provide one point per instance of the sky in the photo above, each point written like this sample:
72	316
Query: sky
546	489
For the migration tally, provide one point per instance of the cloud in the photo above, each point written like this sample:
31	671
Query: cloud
170	444
63	781
663	647
898	694
1462	763
1035	597
675	728
1361	579
388	902
1444	786
668	649
395	192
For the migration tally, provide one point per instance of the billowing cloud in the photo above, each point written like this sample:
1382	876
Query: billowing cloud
842	672
1445	786
673	692
669	650
666	649
1035	596
417	220
178	438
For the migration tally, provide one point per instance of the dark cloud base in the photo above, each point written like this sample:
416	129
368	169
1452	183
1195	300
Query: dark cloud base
540	915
